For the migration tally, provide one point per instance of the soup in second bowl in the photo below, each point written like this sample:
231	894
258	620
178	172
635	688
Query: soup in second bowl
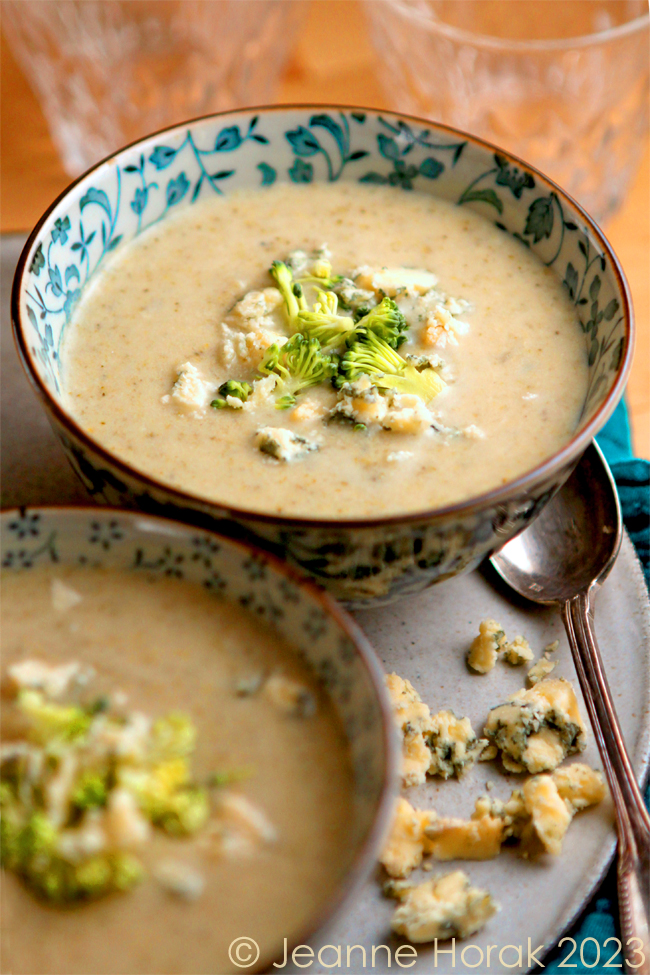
172	778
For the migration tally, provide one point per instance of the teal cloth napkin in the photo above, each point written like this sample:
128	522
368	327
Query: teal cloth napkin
599	921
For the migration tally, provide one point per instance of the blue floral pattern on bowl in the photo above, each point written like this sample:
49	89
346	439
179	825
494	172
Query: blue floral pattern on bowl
144	184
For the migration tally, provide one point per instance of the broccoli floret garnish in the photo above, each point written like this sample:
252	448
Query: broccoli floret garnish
232	387
290	290
49	721
374	357
324	322
84	775
299	364
90	791
386	321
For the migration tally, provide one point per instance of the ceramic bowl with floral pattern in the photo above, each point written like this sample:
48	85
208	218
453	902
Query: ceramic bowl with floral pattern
325	638
363	561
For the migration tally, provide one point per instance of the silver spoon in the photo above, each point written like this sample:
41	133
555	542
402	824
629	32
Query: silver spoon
563	558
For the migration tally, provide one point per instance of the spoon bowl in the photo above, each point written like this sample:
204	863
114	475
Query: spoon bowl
573	544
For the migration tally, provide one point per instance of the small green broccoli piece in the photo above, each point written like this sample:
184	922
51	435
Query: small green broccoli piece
90	791
386	321
232	387
48	721
299	364
324	322
173	736
290	290
127	871
370	355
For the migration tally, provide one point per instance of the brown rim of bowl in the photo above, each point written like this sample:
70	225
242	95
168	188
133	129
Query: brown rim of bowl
545	469
368	853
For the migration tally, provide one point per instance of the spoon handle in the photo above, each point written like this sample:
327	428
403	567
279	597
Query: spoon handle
632	817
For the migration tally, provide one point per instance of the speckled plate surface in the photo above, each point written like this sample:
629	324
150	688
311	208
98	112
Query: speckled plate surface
425	638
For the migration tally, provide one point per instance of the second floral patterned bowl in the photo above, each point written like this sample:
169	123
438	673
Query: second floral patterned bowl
363	561
313	626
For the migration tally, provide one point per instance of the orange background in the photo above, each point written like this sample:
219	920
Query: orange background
332	61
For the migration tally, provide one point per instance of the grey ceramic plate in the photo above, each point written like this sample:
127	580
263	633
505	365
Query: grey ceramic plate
425	638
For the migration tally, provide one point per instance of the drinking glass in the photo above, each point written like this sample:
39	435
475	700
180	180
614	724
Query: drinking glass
109	71
561	83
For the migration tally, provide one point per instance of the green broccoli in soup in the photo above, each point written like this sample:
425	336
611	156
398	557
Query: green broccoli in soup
372	356
298	364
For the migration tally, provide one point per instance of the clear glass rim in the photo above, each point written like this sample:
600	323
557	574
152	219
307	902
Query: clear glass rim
459	34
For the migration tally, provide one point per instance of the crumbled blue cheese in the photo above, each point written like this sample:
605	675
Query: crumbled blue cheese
540	813
290	696
443	907
283	444
580	786
179	878
452	743
537	728
404	848
191	393
361	401
407	413
549	814
308	411
252	325
518	652
486	647
393	281
37	675
408	707
541	669
478	838
64	597
316	263
239	830
413	717
398	456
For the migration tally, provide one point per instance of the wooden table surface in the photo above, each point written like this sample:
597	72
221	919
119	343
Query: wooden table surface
332	61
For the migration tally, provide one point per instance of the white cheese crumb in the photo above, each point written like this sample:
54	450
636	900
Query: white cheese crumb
536	729
540	670
486	646
53	680
191	393
518	652
290	696
441	908
407	414
472	432
308	411
282	444
393	281
125	824
64	597
240	814
412	717
404	848
453	745
179	878
449	838
398	456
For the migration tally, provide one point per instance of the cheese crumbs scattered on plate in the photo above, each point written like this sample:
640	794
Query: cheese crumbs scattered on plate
534	731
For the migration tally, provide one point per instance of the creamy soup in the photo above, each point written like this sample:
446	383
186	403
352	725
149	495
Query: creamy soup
268	841
489	331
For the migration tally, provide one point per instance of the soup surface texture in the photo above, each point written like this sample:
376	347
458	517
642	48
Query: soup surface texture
514	363
157	647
